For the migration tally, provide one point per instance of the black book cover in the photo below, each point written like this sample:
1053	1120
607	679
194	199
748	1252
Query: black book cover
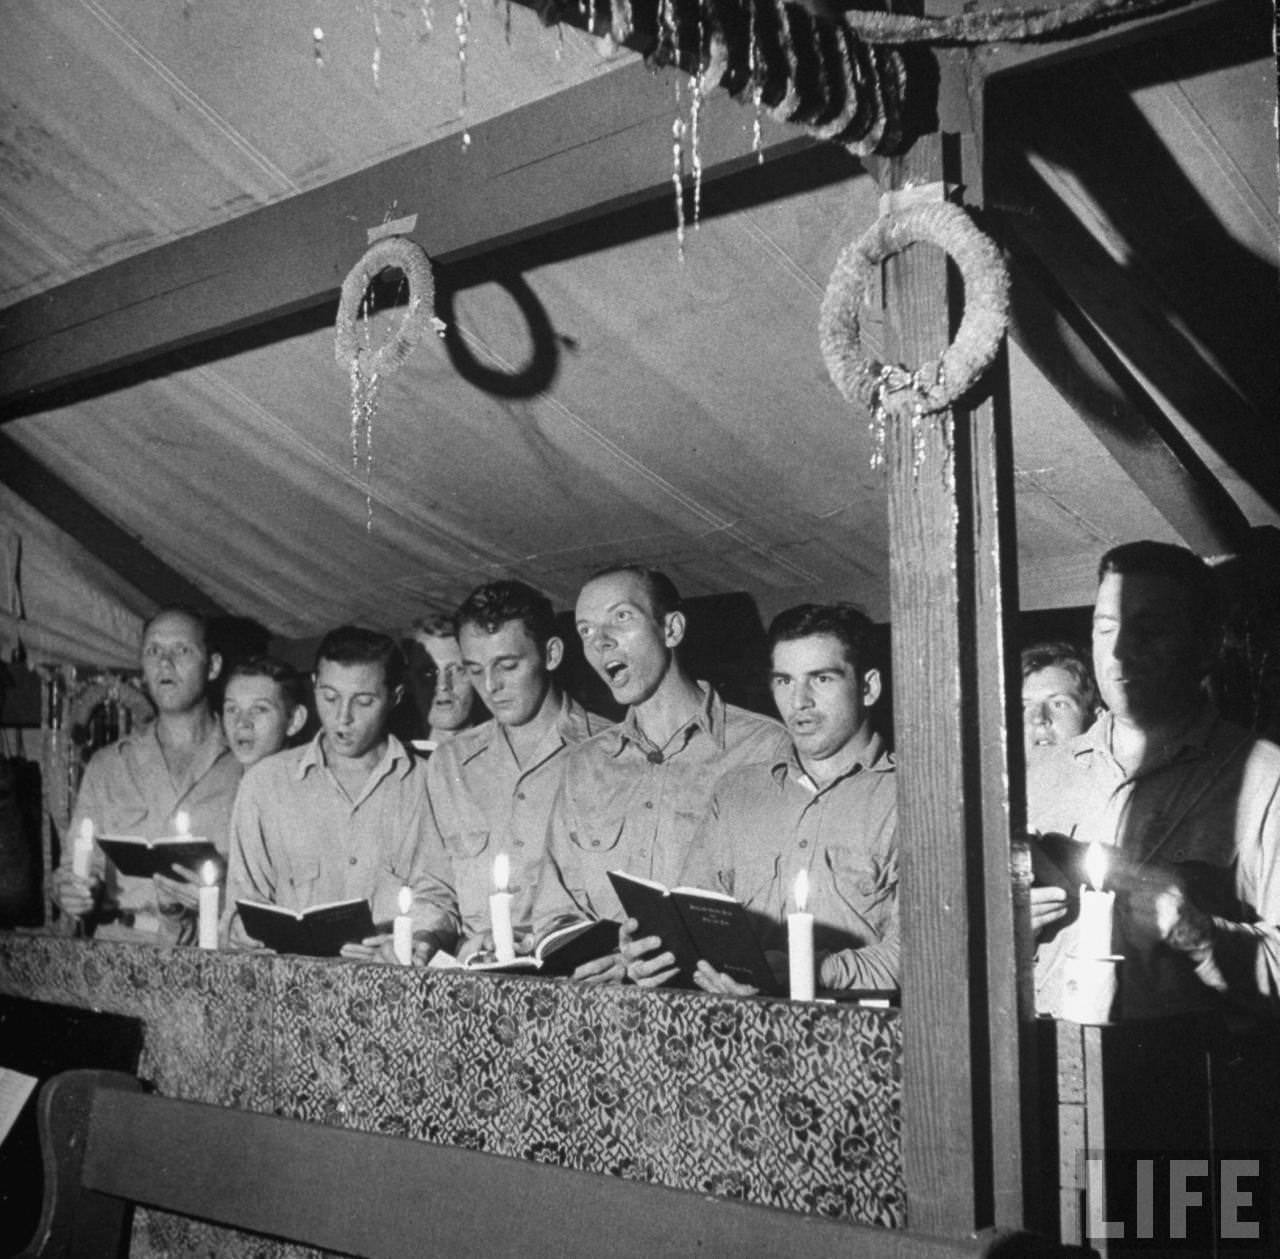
652	906
696	923
141	858
320	931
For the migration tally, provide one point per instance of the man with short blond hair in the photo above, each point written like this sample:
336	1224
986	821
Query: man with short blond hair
139	784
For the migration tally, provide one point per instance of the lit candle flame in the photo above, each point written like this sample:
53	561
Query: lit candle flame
209	874
1095	866
406	899
802	891
182	821
86	829
501	872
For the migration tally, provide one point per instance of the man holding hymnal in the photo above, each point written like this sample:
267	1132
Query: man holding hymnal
632	795
490	789
339	820
137	787
825	804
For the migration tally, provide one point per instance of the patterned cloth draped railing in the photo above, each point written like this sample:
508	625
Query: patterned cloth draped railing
794	1106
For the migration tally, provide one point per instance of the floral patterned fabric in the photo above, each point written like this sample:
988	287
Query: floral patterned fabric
791	1106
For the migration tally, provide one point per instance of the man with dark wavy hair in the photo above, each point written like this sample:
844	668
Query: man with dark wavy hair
491	788
1186	804
824	804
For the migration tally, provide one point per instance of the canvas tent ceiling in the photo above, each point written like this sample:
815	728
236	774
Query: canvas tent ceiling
605	398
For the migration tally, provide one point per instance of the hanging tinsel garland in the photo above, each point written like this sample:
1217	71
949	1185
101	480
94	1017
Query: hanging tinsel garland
894	390
367	365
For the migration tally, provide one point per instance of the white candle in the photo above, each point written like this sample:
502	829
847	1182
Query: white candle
800	943
1093	934
504	944
82	850
182	823
207	922
402	929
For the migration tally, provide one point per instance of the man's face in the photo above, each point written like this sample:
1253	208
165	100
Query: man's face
624	642
176	664
258	718
441	688
354	706
509	671
1053	710
819	695
1147	656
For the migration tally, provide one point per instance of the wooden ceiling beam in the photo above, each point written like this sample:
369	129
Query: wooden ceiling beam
1052	200
593	148
1039	55
1056	335
105	540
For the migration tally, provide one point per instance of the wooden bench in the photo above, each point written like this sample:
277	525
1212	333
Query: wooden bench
107	1145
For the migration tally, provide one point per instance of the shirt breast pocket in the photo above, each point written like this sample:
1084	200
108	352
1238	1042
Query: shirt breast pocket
859	880
303	877
598	836
469	843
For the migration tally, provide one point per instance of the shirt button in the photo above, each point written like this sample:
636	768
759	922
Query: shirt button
519	795
352	860
519	843
648	804
804	843
595	843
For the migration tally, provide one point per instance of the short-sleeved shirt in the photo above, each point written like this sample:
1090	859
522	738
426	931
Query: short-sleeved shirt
482	802
769	821
1209	804
298	839
629	805
127	790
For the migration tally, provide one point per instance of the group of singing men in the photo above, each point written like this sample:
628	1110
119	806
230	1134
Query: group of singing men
689	789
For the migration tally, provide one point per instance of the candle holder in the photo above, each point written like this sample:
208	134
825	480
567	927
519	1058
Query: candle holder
1089	988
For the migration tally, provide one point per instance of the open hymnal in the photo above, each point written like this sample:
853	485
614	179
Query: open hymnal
319	931
559	952
142	858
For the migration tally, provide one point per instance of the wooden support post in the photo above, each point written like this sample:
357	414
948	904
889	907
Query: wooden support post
965	1009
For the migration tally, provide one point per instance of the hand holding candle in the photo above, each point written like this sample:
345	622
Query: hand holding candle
82	853
207	921
402	929
800	943
1096	907
1089	976
504	945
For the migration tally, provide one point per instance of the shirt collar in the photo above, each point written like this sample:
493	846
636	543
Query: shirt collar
573	724
709	717
875	759
395	759
213	746
1193	741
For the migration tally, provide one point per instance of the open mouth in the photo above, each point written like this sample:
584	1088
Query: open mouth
614	670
